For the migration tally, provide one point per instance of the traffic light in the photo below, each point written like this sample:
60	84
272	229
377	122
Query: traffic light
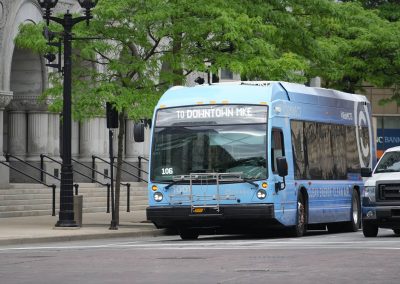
50	36
112	116
50	57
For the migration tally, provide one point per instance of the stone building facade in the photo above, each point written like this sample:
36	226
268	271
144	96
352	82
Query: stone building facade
27	128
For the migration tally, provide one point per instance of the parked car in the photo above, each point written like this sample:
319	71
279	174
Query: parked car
381	195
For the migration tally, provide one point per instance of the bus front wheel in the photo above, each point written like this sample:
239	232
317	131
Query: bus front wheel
188	234
301	218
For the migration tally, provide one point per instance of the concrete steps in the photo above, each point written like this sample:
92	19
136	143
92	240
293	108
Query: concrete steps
21	200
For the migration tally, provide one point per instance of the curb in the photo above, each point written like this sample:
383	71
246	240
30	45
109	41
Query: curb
92	236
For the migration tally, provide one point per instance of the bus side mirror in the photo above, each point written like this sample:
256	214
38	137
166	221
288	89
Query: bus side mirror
138	132
282	166
366	172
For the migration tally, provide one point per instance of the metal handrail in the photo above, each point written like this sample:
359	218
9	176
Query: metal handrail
42	156
133	166
143	158
53	186
8	156
92	169
75	171
128	186
94	157
140	158
42	166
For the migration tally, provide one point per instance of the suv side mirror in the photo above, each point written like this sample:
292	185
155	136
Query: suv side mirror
282	166
138	132
366	172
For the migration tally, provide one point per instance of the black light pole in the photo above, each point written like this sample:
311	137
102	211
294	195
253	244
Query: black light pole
66	215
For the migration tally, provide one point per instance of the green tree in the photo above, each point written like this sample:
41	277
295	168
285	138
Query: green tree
363	45
146	46
388	10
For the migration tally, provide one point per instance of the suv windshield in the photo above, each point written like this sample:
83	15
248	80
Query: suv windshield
390	162
187	147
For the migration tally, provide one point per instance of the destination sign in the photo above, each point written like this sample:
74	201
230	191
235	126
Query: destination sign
212	114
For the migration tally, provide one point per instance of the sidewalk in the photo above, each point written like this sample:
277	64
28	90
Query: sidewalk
35	229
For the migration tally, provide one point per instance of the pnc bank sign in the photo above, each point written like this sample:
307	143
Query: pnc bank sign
387	138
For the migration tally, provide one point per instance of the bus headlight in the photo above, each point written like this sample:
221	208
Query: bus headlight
369	192
261	194
158	196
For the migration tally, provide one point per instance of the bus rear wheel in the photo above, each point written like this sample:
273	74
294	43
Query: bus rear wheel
396	231
370	230
188	234
355	218
301	218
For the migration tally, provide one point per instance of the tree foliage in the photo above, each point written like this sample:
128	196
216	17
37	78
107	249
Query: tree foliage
134	49
373	47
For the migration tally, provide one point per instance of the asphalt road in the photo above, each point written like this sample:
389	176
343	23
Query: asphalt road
318	257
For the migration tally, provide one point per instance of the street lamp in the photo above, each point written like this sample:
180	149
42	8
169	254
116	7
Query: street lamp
66	216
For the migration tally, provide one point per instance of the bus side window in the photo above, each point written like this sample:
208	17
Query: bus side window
277	147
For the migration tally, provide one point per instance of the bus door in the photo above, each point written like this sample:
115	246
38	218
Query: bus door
277	150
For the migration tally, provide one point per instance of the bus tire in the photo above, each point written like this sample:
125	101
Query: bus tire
370	229
188	234
355	213
301	218
396	231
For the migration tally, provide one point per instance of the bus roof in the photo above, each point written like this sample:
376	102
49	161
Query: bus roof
256	92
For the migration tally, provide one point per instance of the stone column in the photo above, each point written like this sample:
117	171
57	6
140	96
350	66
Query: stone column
135	149
146	146
91	141
103	138
90	138
38	134
74	139
5	98
53	148
17	137
28	135
53	143
130	143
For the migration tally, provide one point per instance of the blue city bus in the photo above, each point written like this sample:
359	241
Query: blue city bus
258	155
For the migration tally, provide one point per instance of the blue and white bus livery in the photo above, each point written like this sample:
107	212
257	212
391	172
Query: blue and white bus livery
258	154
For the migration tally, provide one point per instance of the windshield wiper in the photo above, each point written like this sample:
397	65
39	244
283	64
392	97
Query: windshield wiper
250	182
174	182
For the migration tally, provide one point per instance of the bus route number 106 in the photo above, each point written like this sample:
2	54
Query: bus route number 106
167	171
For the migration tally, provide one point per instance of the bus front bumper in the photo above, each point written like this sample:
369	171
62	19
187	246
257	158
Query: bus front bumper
228	215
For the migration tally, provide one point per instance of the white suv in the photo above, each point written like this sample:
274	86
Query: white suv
381	195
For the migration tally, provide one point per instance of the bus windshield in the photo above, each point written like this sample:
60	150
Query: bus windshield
190	147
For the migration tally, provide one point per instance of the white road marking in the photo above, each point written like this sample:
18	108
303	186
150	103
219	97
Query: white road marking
233	244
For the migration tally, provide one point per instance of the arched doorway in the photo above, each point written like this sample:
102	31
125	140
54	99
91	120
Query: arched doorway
28	129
